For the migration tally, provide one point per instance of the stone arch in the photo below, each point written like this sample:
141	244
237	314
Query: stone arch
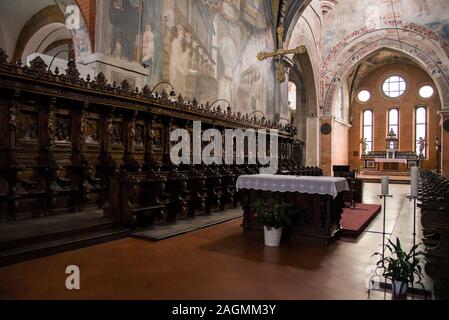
430	55
81	39
32	28
303	70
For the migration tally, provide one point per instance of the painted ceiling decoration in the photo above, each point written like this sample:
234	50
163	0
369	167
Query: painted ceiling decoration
328	5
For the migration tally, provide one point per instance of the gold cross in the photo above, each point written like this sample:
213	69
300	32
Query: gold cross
281	52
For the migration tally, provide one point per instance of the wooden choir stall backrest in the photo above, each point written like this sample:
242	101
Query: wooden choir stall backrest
70	144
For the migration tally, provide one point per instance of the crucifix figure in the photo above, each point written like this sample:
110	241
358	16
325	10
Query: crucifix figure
280	53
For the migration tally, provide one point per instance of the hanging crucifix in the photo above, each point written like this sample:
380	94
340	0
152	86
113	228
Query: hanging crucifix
280	53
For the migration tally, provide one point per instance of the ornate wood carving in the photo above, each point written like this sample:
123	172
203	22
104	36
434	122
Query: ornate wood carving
86	143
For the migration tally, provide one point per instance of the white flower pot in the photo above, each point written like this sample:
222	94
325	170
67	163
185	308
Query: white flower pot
272	236
400	288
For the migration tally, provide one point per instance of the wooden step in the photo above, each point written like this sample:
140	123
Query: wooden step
32	238
23	253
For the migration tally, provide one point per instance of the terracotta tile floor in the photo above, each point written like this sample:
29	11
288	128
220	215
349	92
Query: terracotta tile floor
213	263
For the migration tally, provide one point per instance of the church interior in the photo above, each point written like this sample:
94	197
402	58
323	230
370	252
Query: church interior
97	100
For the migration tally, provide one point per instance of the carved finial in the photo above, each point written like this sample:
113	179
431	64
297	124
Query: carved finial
88	78
38	65
164	95
3	56
180	99
56	71
19	62
126	86
100	80
71	71
146	91
194	102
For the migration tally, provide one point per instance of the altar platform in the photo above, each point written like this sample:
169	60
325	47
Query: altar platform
376	176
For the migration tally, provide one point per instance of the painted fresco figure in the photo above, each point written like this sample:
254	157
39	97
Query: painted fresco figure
178	60
124	18
423	7
148	46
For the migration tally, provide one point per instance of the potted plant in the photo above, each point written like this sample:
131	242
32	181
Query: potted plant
274	216
401	267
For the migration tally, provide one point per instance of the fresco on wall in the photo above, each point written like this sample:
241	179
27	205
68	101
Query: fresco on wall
212	48
134	32
373	14
206	49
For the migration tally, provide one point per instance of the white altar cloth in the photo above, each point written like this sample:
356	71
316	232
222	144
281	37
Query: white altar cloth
286	183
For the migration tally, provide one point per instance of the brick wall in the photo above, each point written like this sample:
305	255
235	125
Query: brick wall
89	10
415	77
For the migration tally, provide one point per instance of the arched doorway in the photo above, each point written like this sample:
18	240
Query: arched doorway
305	113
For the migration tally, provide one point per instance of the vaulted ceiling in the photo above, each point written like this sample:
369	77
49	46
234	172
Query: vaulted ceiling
376	60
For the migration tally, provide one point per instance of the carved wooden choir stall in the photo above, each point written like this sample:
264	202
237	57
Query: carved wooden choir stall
434	197
69	144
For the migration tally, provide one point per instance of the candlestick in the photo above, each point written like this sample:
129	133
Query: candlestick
384	188
414	181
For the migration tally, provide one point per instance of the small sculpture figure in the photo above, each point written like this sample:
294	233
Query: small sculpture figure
131	133
364	144
437	143
13	122
421	145
51	127
109	129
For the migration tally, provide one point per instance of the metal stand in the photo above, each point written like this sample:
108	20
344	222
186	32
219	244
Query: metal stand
382	266
414	234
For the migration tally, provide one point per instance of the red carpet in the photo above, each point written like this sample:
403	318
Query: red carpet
354	221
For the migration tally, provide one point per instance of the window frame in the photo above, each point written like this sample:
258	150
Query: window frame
425	84
370	143
381	87
394	125
363	102
425	123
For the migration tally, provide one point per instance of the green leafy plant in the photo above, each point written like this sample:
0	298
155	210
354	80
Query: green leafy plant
272	213
401	265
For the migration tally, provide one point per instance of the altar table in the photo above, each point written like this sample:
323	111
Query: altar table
319	201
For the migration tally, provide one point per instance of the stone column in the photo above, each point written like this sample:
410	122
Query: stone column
326	147
277	94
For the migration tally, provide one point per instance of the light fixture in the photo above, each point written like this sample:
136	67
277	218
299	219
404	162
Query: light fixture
172	92
218	100
70	52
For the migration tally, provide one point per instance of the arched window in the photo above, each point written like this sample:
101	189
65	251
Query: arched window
368	129
421	131
292	95
393	121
